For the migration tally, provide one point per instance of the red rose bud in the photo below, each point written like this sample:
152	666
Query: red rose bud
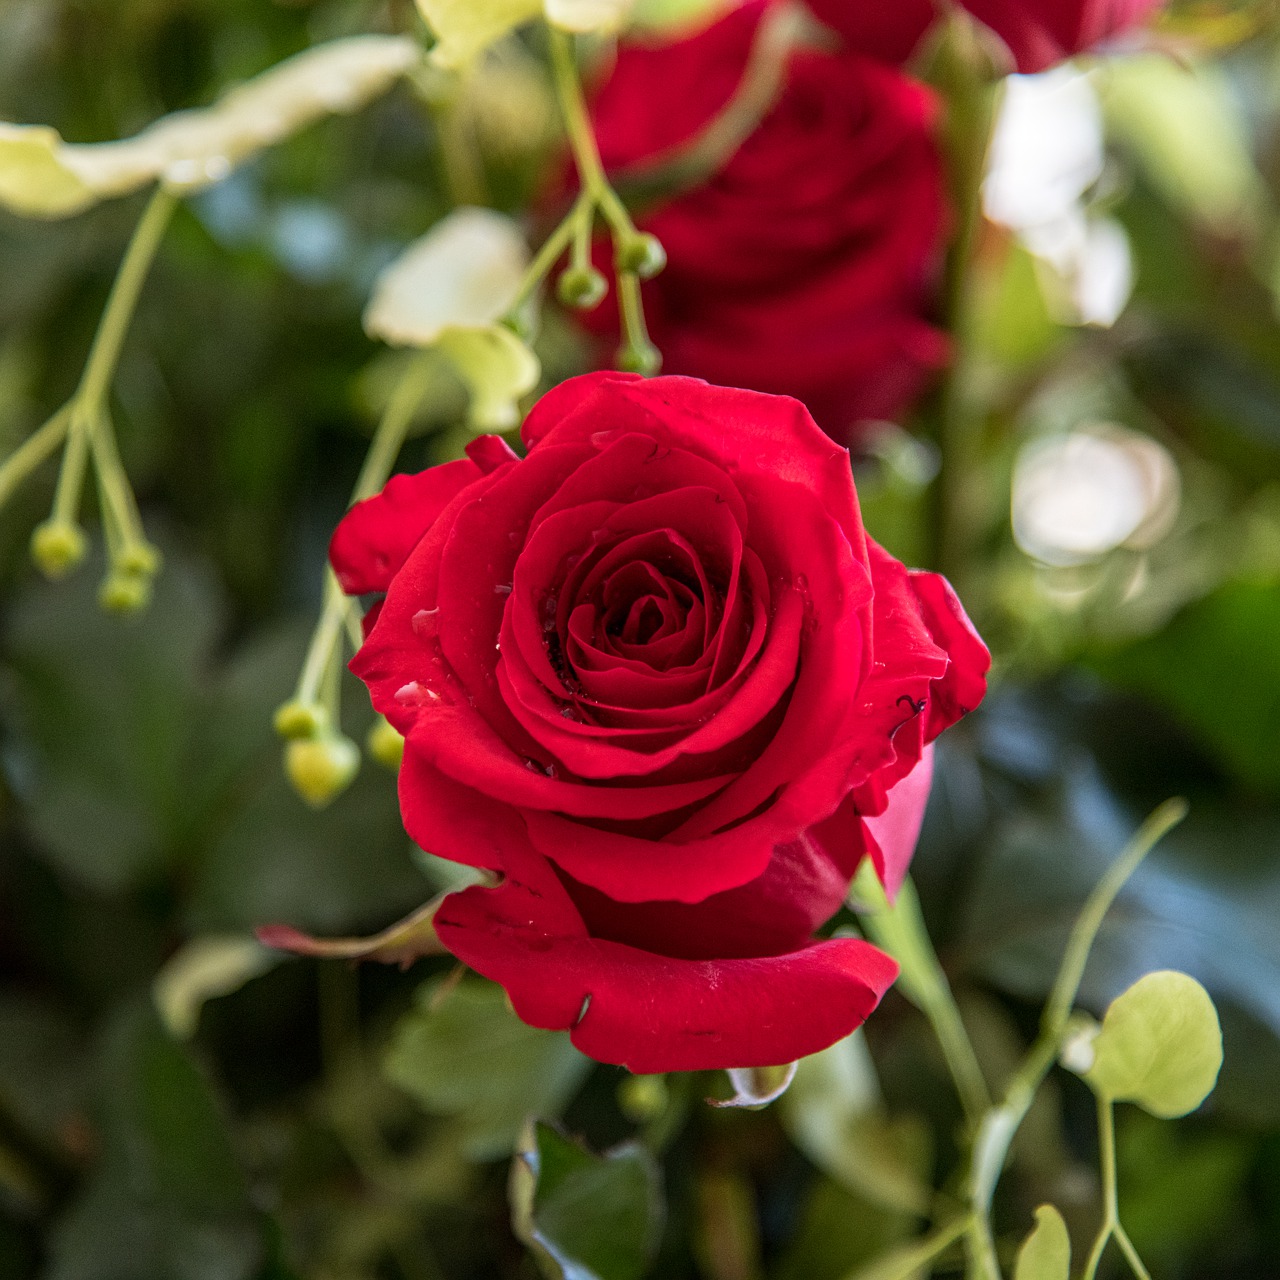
656	677
807	264
1038	33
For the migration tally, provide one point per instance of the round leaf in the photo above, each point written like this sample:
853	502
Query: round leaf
1160	1046
1046	1252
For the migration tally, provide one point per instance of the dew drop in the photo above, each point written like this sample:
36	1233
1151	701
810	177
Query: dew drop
426	623
502	589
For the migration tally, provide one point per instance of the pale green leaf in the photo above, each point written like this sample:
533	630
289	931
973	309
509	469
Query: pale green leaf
202	970
1160	1046
660	15
462	1052
42	176
583	1216
498	369
464	273
1189	133
465	28
1046	1252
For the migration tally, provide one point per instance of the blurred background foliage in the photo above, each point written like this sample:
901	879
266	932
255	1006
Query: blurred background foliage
312	1120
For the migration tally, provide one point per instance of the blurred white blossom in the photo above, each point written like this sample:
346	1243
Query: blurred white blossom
1047	152
1083	493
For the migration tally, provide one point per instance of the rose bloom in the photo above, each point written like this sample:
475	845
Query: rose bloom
1038	33
807	264
656	676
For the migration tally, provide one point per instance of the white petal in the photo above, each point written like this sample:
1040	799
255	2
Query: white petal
588	15
465	272
42	176
465	28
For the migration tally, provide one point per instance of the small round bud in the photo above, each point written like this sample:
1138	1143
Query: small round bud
645	359
320	769
140	559
57	547
643	1098
581	288
124	593
294	719
642	254
385	744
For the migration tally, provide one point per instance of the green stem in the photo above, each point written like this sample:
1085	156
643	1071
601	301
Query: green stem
970	95
899	929
1001	1123
913	1259
89	400
577	120
1110	1227
316	683
556	243
104	355
781	31
34	450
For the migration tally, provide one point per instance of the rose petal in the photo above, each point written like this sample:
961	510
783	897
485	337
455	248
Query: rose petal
653	1013
376	536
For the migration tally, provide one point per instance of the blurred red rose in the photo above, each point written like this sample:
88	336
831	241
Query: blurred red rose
657	677
1039	33
807	265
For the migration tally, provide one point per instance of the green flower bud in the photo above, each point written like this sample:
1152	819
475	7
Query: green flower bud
581	288
57	547
645	359
385	744
642	254
643	1098
139	559
320	769
124	592
294	719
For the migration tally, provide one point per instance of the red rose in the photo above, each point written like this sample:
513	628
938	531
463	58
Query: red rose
805	266
1039	33
658	678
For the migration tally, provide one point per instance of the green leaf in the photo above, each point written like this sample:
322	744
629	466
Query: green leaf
168	1201
462	1052
1046	1252
498	369
583	1216
465	28
1160	1046
42	176
1203	666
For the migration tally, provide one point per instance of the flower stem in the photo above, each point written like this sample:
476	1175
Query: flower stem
85	412
318	682
35	449
899	929
1001	1123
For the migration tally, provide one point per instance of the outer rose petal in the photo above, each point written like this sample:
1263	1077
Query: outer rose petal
964	685
648	1012
892	835
376	535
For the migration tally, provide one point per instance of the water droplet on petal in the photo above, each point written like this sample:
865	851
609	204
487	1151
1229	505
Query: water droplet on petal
426	623
502	589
